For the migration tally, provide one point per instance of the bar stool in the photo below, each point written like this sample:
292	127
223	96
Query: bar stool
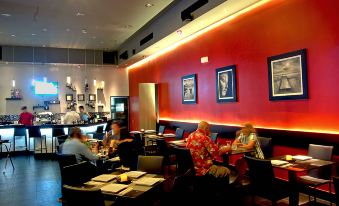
56	132
34	132
19	132
4	142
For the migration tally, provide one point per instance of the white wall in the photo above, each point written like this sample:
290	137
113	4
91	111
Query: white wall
116	84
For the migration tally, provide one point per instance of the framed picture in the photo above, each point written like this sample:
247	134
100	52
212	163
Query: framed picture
69	97
92	97
287	74
189	89
81	97
226	85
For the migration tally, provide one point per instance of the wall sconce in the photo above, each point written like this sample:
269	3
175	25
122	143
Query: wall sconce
13	83
204	60
69	84
95	82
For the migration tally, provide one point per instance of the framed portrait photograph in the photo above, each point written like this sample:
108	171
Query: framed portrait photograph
189	89
81	97
287	74
69	97
92	97
226	85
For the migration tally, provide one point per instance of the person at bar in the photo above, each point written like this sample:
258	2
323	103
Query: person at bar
26	118
75	145
84	116
71	116
247	138
204	151
115	136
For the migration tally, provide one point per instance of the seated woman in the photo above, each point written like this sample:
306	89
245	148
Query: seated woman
247	138
75	145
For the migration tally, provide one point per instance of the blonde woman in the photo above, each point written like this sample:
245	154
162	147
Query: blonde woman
247	139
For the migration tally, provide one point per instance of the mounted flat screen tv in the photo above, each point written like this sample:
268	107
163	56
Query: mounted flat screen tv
46	88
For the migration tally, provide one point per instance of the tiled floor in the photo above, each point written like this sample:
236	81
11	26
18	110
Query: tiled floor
33	182
37	182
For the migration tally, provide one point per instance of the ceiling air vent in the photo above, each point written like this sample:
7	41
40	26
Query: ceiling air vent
124	55
146	39
186	15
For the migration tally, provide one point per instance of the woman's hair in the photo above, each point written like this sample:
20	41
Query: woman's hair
75	132
248	127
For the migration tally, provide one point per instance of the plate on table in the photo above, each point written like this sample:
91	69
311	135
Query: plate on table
301	157
169	135
150	131
278	162
147	181
104	178
113	188
135	174
135	132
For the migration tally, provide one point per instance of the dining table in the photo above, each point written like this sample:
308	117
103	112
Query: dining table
294	167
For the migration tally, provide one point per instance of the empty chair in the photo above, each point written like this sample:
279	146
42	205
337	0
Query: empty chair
179	133
336	188
320	176
65	160
164	151
56	132
19	132
266	146
34	132
75	196
161	129
263	182
184	160
214	137
77	174
150	164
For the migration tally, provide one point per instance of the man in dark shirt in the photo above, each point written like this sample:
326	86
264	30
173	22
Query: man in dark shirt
26	118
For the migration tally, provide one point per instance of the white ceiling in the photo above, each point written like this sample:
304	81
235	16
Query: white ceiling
60	23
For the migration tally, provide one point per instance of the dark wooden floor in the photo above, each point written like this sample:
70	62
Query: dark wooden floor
33	182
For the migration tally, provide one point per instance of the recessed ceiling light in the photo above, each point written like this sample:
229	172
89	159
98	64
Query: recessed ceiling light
6	15
13	35
33	34
149	5
44	29
80	14
68	29
84	31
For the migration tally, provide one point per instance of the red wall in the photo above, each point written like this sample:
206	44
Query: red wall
277	27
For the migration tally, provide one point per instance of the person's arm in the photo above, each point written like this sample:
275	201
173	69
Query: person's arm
212	148
86	152
251	142
20	119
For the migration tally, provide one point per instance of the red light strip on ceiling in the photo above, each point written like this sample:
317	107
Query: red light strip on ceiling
197	34
256	126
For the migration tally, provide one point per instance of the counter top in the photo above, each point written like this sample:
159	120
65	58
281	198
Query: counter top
52	125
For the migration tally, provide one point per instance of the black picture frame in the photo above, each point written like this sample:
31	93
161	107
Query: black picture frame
226	84
69	97
287	76
91	97
81	97
189	89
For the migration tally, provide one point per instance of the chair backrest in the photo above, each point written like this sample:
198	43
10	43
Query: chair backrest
58	131
261	174
100	129
214	137
128	153
184	160
66	160
266	146
161	129
19	131
324	153
34	131
163	150
150	164
77	174
336	188
75	196
179	133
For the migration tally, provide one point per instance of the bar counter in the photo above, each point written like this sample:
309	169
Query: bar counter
7	132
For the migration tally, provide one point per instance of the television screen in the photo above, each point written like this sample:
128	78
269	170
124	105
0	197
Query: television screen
50	88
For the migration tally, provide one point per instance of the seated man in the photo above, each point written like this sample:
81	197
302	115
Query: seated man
115	137
204	151
75	145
